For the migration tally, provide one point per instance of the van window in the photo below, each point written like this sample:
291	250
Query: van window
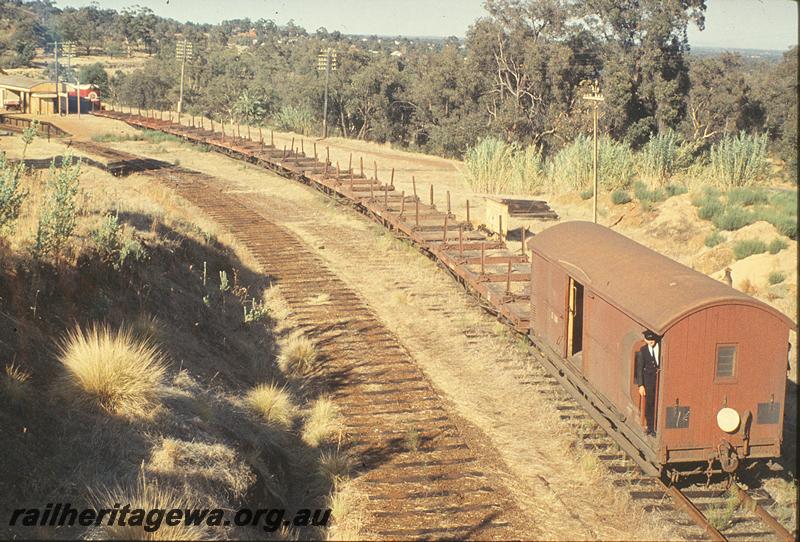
726	361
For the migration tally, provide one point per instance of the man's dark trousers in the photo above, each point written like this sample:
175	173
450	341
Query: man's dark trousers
645	375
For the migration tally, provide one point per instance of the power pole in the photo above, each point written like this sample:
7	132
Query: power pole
69	50
58	87
595	97
326	60
183	52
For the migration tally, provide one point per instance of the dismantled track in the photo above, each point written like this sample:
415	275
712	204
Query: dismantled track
420	477
485	266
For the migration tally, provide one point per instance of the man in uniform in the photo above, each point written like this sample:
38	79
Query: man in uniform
647	364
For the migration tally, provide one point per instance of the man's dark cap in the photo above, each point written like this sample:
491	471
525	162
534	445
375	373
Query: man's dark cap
650	336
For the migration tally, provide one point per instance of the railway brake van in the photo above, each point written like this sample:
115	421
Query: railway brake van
721	381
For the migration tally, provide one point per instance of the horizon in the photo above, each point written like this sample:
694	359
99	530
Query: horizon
767	25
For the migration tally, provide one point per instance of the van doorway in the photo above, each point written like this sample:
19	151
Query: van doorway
575	319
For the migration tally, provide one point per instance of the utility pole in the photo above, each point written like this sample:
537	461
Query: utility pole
595	97
326	61
69	50
183	52
58	87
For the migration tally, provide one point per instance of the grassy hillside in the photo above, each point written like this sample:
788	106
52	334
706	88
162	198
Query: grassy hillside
138	363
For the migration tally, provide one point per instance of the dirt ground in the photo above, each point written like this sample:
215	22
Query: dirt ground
475	363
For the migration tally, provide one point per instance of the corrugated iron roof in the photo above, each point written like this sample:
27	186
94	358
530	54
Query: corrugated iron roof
19	81
649	287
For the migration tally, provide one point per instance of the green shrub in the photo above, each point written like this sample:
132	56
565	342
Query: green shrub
785	225
745	196
650	195
714	239
57	218
116	244
776	277
571	168
710	209
739	160
675	189
748	247
776	245
106	238
620	197
661	157
587	194
294	119
733	218
497	167
11	195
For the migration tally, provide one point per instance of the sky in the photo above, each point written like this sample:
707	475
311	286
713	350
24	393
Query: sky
740	24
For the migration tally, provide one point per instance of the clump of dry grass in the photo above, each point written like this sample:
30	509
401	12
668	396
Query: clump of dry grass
334	465
748	287
322	422
347	513
15	382
146	495
276	304
112	370
298	356
213	464
272	403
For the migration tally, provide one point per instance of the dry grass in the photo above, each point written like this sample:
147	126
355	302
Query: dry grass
147	495
298	356
217	465
112	370
14	382
321	299
346	505
748	287
322	422
334	465
272	403
276	305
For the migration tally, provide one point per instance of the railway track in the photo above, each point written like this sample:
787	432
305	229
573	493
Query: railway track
422	479
499	279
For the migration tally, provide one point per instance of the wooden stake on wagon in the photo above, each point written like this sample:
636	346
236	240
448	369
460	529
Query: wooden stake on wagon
284	152
272	138
416	219
361	161
444	235
302	147
431	195
468	221
315	152
350	164
448	202
292	146
222	126
414	186
391	180
238	131
260	136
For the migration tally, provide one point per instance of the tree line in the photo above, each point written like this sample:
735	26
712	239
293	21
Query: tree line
519	74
